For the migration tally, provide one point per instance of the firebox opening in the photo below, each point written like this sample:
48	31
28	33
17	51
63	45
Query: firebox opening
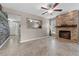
65	34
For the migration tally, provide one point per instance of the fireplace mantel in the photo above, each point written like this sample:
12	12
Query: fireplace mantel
66	26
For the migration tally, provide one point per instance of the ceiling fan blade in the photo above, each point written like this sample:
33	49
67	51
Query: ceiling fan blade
55	5
57	9
44	12
44	8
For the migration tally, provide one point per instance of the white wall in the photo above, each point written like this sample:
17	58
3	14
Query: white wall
31	34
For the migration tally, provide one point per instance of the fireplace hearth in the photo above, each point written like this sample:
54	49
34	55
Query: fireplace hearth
65	34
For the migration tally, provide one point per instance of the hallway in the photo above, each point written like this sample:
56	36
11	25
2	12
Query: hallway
41	47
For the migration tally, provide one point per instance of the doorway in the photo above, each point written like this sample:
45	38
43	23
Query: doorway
14	26
52	24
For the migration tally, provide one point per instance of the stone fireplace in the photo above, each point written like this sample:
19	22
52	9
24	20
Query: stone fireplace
67	26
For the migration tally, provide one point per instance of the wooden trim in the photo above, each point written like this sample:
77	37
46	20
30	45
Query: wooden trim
67	26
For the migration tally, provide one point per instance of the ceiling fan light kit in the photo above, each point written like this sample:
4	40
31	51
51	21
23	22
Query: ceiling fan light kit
50	11
50	8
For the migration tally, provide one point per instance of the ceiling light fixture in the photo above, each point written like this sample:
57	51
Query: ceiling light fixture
50	11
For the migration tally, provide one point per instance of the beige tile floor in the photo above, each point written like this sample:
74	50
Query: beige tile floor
32	48
63	48
41	47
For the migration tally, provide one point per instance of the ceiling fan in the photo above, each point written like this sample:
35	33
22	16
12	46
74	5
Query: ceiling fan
50	8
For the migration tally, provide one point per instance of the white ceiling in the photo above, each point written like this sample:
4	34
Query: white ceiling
34	8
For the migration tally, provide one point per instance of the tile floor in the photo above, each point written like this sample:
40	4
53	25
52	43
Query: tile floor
41	47
32	48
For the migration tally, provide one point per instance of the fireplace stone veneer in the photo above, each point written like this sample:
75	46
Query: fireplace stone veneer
68	22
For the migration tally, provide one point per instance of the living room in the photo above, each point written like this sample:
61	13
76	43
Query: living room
39	29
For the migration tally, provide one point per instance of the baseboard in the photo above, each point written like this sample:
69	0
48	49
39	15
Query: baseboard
33	39
4	42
